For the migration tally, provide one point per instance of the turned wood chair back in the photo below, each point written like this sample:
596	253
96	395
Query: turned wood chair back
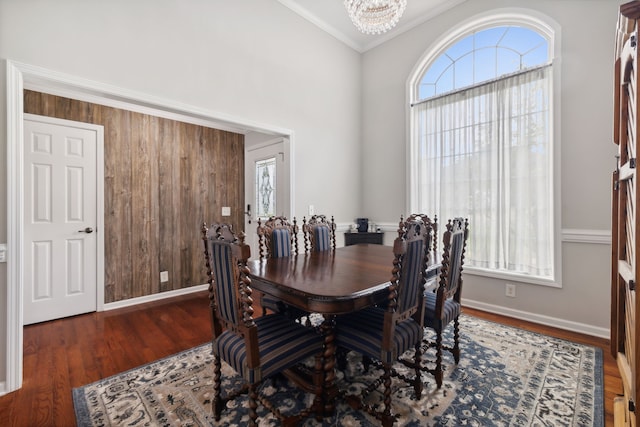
277	237
226	258
411	251
454	242
433	256
319	234
408	277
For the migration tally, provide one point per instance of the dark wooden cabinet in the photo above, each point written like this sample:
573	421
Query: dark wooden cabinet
364	237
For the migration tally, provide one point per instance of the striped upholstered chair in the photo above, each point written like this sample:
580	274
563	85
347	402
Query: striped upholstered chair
319	234
256	349
385	333
277	237
443	306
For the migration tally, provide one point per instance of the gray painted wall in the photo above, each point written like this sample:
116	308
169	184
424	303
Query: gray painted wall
585	118
216	55
347	110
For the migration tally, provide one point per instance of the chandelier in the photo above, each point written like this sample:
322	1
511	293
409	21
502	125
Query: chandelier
375	16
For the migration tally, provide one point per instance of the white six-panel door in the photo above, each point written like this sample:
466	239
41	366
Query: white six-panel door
60	208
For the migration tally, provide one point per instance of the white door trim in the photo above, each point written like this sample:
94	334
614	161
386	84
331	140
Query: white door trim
18	77
288	166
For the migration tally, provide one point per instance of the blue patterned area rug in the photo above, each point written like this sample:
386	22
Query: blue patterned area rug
506	377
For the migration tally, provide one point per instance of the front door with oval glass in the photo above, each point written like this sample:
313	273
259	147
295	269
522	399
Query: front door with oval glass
266	185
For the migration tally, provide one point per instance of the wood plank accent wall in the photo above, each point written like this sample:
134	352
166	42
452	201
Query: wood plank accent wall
162	179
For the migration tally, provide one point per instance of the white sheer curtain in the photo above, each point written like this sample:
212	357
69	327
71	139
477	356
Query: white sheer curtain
485	153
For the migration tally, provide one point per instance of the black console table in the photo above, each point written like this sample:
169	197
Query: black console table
364	237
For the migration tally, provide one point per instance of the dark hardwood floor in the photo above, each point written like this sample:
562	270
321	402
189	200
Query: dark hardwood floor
67	353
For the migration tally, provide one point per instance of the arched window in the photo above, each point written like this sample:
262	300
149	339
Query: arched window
482	145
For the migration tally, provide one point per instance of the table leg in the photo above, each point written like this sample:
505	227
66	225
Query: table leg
330	389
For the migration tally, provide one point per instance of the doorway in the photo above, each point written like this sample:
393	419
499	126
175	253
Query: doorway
266	185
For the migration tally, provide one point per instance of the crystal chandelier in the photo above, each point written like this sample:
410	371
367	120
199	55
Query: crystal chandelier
375	16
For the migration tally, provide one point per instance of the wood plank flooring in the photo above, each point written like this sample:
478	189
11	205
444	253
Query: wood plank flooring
71	352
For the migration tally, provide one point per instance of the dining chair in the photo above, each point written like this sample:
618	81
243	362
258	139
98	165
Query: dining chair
433	223
277	237
257	349
443	306
384	333
319	233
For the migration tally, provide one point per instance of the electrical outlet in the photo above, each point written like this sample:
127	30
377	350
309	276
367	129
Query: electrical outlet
164	276
226	211
510	290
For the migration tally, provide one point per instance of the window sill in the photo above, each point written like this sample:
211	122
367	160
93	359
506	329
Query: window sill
514	277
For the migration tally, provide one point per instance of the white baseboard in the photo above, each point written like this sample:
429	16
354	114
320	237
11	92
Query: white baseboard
3	388
155	297
539	318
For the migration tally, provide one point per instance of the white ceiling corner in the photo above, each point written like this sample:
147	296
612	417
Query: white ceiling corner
331	16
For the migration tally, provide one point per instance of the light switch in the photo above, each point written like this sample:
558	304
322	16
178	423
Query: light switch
3	252
226	211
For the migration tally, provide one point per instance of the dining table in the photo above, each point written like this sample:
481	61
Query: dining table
329	283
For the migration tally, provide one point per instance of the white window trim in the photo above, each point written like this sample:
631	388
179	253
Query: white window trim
499	17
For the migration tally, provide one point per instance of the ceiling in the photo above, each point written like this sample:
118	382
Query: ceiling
331	16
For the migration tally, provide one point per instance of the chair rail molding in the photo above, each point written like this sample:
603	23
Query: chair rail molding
573	235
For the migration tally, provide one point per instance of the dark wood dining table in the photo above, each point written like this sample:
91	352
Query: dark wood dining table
329	283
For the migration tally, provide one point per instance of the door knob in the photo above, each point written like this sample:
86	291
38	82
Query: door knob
87	230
